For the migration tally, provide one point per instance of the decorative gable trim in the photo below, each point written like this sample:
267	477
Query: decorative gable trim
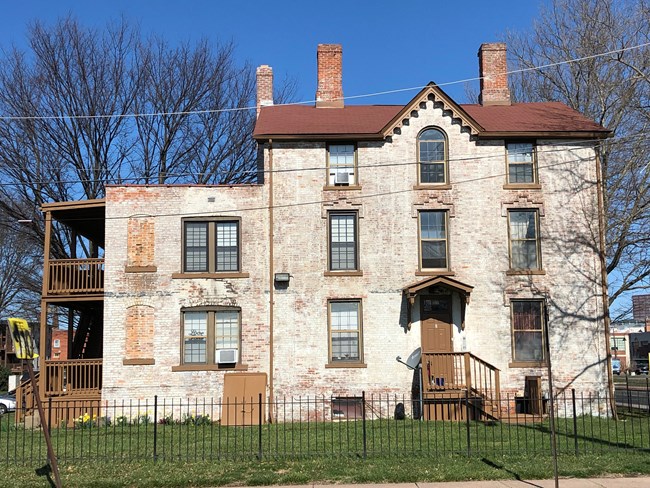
435	94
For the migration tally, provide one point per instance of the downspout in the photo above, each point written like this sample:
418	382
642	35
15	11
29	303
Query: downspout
271	283
603	281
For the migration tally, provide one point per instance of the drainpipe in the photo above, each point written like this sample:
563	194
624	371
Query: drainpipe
603	281
271	284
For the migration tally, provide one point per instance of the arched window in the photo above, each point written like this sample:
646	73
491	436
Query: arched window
432	157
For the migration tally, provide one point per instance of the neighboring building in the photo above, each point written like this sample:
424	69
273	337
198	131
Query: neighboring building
641	308
373	231
59	344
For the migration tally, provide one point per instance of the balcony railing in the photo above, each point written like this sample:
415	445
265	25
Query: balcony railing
76	276
73	377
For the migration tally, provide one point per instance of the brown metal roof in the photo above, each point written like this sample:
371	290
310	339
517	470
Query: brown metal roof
531	117
370	121
302	120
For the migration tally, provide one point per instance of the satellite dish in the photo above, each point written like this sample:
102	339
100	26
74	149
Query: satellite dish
414	358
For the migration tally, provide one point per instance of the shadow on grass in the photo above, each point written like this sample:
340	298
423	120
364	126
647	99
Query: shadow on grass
503	468
47	472
611	444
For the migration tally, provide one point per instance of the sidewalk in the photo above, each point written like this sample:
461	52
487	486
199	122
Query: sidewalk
643	482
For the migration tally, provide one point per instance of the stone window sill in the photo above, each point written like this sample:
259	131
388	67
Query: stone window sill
189	276
209	367
522	186
341	187
432	186
343	273
432	272
140	269
527	364
345	365
525	272
138	362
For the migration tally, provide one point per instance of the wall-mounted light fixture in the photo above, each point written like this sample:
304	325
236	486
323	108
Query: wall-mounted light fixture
282	277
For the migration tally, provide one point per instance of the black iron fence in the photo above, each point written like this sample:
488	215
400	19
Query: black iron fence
366	426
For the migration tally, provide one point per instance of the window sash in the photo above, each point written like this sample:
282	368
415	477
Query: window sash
196	246
528	341
433	239
211	246
521	163
524	239
343	242
195	340
227	246
432	158
345	331
207	331
341	159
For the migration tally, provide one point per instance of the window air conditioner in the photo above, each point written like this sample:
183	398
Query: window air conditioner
342	178
226	356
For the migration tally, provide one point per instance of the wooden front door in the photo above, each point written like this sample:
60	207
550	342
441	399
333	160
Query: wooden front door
435	313
436	323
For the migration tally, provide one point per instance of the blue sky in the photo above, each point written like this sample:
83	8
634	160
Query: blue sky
386	45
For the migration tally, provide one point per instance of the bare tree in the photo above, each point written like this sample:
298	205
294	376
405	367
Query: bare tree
86	107
614	90
20	264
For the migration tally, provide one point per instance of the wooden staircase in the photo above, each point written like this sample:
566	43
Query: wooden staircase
459	384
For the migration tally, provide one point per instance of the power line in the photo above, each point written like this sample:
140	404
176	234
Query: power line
385	163
366	95
312	202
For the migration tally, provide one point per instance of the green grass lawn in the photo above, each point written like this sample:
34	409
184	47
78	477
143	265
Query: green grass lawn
284	472
208	454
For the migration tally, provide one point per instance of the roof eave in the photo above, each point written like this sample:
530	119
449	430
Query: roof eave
544	134
320	137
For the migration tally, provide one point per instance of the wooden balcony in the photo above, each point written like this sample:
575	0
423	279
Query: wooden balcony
78	377
449	375
70	387
75	277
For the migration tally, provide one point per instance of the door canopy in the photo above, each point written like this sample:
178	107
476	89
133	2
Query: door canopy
463	290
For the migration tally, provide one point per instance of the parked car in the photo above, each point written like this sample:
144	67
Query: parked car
616	366
7	403
641	369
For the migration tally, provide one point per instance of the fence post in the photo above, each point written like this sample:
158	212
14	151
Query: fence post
363	423
155	428
259	427
575	420
469	448
49	415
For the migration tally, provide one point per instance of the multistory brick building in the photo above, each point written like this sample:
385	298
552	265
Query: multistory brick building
464	237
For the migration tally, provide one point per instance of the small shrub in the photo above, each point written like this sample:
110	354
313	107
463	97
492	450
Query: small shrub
196	419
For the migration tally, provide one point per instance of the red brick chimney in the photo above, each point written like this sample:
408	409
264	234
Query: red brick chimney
329	93
264	87
492	70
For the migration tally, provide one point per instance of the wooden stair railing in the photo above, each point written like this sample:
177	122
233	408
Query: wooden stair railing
463	371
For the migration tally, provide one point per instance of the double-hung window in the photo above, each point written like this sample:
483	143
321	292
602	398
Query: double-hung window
211	336
432	157
341	162
343	241
433	239
211	246
524	240
345	331
521	163
527	330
